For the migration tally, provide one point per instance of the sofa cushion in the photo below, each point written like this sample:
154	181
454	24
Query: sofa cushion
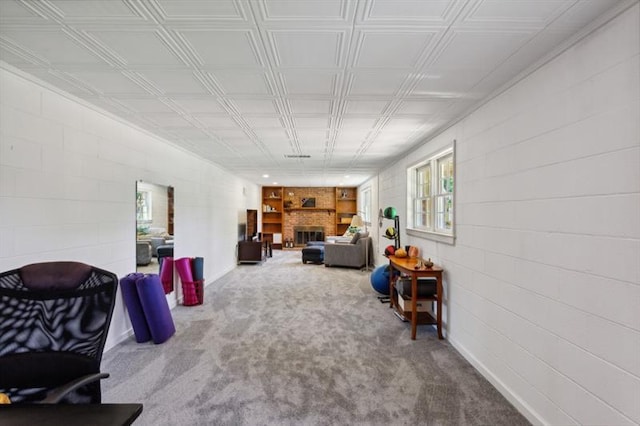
358	235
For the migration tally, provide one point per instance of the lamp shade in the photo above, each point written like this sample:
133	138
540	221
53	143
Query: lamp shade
356	221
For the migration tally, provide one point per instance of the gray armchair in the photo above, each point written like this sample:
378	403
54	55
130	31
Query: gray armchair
352	255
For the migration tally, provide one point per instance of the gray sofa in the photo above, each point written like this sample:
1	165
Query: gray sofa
352	255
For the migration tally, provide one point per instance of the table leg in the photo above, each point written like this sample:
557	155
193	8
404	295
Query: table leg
414	306
390	285
439	306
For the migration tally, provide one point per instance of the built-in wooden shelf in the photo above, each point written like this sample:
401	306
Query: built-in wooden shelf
341	205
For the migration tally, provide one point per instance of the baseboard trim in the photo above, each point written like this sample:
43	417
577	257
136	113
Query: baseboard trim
504	390
123	336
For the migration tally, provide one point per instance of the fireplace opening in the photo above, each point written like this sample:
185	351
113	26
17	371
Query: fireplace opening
304	234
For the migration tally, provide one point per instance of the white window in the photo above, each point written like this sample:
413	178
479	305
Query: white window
431	196
366	205
143	207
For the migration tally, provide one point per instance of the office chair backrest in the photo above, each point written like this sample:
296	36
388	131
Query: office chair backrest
54	319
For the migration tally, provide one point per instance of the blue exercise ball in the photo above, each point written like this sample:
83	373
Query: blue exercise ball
380	279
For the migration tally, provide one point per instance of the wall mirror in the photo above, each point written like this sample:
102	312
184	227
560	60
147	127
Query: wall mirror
154	226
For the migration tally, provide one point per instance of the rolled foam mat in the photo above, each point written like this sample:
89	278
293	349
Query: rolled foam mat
134	308
155	307
183	266
166	274
198	268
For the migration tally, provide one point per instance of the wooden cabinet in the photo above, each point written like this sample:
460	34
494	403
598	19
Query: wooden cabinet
346	208
272	208
251	251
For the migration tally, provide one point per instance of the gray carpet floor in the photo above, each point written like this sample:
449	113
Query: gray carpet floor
284	343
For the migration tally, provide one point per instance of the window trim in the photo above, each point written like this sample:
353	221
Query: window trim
431	232
365	207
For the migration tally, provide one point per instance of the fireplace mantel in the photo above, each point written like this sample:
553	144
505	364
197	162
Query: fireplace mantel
317	209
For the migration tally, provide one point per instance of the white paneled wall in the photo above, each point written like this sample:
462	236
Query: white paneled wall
67	189
543	282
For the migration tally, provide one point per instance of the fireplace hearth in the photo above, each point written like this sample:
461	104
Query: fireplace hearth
304	234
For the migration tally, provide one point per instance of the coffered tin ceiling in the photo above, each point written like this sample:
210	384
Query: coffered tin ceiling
246	84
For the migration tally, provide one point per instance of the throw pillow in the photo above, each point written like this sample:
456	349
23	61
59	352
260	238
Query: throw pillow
355	238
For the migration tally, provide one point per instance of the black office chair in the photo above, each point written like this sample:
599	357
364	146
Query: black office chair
54	319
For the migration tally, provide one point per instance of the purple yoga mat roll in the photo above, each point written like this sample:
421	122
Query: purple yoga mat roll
183	266
134	308
155	307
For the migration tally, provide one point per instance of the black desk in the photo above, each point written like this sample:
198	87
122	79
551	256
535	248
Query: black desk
69	414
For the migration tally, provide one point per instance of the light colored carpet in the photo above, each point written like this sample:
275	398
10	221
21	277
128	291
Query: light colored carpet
284	343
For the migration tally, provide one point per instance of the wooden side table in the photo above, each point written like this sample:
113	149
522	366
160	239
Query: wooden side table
406	265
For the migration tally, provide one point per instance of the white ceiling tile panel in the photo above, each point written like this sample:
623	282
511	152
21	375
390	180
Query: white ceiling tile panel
366	107
167	120
240	143
352	136
145	105
431	10
323	10
391	49
448	83
271	134
137	47
110	82
175	81
242	82
280	145
215	121
188	132
306	123
583	12
263	121
539	12
403	124
304	106
479	50
358	123
229	134
376	82
89	9
55	47
198	105
20	57
223	47
14	10
252	106
198	9
426	107
377	150
309	82
307	49
315	138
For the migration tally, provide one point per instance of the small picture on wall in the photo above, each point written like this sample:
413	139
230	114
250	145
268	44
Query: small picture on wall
308	202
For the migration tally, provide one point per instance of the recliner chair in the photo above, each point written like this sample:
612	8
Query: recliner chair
54	319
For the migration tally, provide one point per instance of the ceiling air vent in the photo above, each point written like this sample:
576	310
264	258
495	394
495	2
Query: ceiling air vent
297	156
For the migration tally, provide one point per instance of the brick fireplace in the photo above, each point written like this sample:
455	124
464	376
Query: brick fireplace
319	220
322	218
